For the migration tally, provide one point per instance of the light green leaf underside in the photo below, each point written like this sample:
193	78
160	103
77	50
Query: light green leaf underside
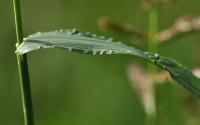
86	43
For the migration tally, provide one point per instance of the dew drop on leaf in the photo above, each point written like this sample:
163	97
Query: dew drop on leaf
94	52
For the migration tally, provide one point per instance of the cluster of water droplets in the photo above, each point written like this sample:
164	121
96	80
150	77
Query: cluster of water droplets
82	33
153	57
94	51
91	51
78	33
101	52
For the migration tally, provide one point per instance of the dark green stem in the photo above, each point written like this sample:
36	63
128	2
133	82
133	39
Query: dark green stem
23	69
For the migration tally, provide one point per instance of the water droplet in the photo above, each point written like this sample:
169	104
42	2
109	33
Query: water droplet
153	57
38	33
149	55
109	52
17	45
61	30
81	34
94	52
101	52
119	42
39	47
93	35
110	39
87	33
69	49
156	56
75	31
102	37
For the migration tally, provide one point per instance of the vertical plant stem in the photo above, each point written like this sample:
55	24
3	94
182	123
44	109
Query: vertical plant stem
153	29
23	69
152	117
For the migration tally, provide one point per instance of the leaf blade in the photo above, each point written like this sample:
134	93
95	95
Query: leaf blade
85	43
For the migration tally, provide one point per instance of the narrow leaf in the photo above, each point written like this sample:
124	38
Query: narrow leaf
86	43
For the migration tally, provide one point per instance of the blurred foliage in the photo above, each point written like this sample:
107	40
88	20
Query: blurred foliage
88	90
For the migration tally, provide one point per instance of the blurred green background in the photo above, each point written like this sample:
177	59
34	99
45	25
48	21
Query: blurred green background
73	89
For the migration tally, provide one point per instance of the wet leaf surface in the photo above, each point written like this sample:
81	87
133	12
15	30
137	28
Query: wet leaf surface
86	43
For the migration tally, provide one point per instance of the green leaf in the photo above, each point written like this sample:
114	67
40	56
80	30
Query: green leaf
86	43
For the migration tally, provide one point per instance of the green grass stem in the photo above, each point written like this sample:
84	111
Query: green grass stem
23	69
152	119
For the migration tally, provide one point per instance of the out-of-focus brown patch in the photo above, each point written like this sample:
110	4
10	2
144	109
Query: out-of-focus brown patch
142	82
196	72
106	23
181	26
